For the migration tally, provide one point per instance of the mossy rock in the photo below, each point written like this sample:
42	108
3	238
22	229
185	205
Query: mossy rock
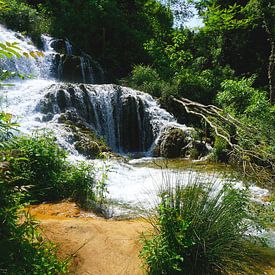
197	150
88	148
171	143
85	140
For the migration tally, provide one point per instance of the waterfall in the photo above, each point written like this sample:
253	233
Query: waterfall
129	120
39	67
69	47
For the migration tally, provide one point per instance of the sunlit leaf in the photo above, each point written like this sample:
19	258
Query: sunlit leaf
6	54
32	54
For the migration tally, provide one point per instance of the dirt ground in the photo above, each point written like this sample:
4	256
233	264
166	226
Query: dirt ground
99	246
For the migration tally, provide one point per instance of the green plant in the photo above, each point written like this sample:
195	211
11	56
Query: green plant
22	248
21	17
146	79
78	182
37	162
199	229
221	150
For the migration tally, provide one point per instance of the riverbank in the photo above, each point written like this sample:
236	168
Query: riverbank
97	246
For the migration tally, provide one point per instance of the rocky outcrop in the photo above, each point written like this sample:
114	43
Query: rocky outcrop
171	143
84	139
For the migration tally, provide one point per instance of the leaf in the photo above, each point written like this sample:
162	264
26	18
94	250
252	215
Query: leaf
7	117
6	85
26	54
14	52
6	54
33	54
3	46
40	54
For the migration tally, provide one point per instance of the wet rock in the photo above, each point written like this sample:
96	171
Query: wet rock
88	148
197	150
171	143
84	139
48	117
72	70
61	100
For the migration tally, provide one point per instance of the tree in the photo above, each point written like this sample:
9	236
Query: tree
249	27
267	12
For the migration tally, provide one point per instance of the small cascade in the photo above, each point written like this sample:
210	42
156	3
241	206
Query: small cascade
130	121
73	65
69	47
39	67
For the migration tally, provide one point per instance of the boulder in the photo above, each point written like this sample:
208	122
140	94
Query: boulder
87	148
73	70
84	139
171	143
59	45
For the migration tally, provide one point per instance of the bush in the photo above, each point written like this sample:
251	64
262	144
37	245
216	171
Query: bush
146	79
39	164
221	150
21	17
22	249
252	108
200	230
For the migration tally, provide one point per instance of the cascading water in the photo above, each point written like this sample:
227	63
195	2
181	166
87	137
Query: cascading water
35	67
129	120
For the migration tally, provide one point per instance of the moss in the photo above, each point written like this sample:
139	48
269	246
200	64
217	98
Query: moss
87	148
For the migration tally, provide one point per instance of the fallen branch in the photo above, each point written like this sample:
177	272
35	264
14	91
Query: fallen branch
255	157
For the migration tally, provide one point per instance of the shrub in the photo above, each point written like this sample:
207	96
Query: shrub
252	108
146	79
221	150
200	230
38	163
22	249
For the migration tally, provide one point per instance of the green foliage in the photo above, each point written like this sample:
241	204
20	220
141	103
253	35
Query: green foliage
145	78
221	150
188	62
112	31
236	95
200	229
252	107
6	126
19	16
22	249
40	165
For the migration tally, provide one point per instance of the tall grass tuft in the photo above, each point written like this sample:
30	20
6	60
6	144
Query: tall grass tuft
201	228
